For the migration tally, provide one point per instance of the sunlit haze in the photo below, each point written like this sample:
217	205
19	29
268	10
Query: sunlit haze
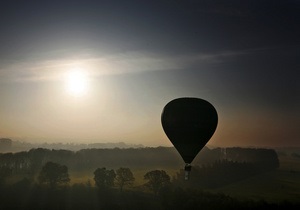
76	82
102	72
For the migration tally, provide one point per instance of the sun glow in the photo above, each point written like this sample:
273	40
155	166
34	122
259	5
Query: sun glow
77	82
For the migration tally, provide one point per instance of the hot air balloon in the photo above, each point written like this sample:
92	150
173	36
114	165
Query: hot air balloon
189	123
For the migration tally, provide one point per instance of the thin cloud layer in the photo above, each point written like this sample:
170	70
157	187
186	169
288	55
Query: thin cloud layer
132	62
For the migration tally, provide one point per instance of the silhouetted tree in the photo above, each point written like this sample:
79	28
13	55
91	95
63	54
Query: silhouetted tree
104	178
157	179
124	177
54	174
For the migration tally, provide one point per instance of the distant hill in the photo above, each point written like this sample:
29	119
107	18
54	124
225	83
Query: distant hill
8	145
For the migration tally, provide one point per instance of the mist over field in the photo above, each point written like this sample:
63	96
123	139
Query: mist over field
161	104
237	177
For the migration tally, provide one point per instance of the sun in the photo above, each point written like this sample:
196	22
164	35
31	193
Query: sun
76	82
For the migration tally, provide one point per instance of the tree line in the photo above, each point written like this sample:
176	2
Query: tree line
30	162
220	166
55	175
53	191
47	183
219	173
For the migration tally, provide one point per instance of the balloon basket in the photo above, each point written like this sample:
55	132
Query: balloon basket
187	170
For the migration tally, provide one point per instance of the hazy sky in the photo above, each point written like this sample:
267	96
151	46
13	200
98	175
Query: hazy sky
131	58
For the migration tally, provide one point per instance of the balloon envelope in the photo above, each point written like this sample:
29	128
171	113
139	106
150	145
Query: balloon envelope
189	123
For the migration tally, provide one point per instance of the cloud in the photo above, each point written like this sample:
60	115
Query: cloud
122	63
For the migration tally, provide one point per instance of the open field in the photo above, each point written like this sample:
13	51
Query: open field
88	176
278	185
274	186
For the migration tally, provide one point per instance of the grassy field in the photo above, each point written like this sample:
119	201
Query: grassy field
279	185
84	177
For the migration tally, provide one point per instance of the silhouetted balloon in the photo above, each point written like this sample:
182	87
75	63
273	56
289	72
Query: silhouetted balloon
189	123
